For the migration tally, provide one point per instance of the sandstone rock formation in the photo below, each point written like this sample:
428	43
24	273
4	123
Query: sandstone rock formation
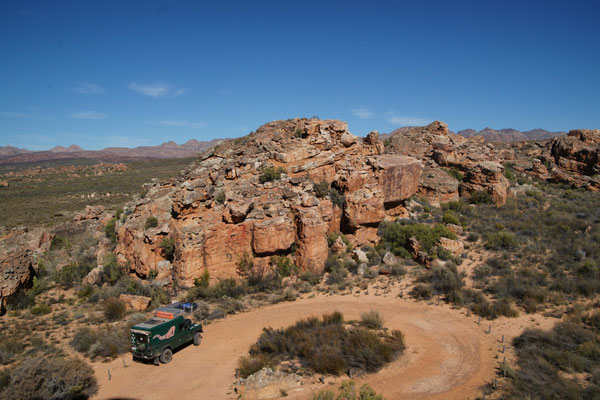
219	209
437	147
133	302
320	179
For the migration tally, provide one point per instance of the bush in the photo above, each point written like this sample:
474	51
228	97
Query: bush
270	173
109	230
151	222
321	189
337	198
220	197
450	218
371	320
396	236
10	347
248	365
114	309
72	274
422	291
167	245
41	309
83	339
481	198
501	241
455	173
326	346
347	391
546	358
50	378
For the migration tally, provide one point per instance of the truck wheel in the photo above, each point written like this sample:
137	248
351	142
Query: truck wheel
197	339
166	356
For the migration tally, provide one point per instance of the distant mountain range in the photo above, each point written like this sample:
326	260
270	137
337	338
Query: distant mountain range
510	135
191	148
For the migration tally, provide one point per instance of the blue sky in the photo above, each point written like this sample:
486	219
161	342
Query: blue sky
124	73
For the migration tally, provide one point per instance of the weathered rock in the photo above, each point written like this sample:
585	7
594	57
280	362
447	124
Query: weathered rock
236	211
486	177
399	176
133	302
267	384
348	139
94	277
437	186
312	249
456	247
91	212
360	256
457	229
273	235
364	206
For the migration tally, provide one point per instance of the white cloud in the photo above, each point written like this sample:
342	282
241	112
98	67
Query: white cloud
11	114
156	90
407	121
182	122
88	115
89	88
363	113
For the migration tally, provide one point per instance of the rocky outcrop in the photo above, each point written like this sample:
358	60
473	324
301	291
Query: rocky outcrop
437	147
18	249
320	179
577	158
486	177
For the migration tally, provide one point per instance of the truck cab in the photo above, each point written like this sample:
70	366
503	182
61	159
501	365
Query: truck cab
157	338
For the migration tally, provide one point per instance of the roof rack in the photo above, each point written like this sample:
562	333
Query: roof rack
174	310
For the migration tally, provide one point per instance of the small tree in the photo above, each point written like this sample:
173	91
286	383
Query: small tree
270	173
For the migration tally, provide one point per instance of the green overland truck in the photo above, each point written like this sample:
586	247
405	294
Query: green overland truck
156	338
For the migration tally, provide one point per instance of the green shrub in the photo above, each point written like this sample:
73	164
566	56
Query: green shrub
396	236
41	309
220	197
109	230
326	346
481	198
270	173
347	391
72	274
112	271
83	339
450	218
455	173
501	241
151	222
284	266
167	245
50	378
114	309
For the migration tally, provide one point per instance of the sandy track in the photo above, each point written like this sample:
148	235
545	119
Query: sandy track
448	356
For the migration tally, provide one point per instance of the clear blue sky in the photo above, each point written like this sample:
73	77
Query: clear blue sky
101	73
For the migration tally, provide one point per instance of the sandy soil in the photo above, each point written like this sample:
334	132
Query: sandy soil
449	356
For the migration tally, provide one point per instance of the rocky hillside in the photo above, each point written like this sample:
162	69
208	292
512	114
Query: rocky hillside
510	135
282	189
191	148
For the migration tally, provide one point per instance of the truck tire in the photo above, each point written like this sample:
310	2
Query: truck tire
166	356
197	339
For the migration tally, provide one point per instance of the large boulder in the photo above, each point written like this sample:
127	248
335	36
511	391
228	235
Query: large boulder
399	176
438	186
133	302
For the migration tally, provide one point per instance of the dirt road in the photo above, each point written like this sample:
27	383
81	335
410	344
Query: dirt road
448	355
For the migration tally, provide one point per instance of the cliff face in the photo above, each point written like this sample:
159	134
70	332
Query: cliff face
224	206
